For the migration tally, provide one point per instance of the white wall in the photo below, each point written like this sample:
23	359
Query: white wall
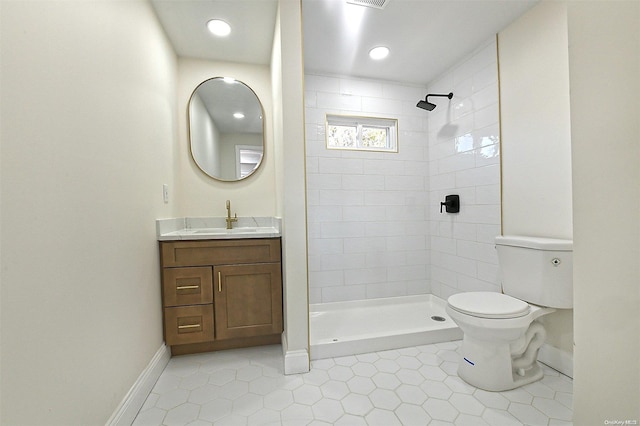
196	193
604	65
536	132
288	93
367	211
88	125
536	137
464	159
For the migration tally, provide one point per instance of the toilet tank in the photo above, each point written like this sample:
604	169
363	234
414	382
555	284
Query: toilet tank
537	270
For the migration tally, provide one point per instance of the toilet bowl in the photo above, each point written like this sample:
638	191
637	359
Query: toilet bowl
501	333
501	339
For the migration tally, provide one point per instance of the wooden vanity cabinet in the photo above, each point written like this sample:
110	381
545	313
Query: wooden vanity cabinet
220	294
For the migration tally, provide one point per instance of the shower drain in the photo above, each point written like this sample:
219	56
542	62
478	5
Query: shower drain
437	318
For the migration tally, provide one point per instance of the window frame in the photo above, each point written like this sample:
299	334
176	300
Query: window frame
360	122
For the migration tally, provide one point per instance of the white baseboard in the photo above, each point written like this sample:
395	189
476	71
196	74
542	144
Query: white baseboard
295	362
128	409
557	359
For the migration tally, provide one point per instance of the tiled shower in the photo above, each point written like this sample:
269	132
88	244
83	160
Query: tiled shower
375	229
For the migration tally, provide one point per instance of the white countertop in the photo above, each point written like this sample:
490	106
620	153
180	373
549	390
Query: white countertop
214	228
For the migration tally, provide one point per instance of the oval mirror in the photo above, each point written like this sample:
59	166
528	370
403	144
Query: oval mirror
226	130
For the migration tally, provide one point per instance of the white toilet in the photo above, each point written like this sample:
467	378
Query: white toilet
501	334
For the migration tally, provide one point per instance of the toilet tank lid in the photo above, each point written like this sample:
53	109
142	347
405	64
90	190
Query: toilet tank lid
536	243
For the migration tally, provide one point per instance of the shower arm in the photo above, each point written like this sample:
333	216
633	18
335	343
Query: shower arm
450	95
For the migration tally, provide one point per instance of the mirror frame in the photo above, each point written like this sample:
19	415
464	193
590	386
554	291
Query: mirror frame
190	139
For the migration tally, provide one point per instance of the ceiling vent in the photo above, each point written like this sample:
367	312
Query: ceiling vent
376	4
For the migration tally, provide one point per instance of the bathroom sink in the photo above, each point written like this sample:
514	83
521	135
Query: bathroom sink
216	231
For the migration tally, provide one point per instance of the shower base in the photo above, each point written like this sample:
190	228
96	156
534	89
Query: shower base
362	326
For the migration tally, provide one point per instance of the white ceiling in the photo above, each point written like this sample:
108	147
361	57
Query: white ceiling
425	36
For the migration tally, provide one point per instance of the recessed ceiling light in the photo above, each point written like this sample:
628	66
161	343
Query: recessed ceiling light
379	52
238	115
219	27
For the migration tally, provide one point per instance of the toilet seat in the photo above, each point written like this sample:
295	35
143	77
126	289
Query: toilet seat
486	304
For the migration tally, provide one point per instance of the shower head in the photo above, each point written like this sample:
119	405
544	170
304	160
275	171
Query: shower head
428	105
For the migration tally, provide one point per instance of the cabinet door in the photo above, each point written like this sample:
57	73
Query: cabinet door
248	300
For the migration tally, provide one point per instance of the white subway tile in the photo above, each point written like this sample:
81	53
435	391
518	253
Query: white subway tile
312	165
365	245
408	272
341	229
444	181
361	87
408	183
344	293
466	284
384	259
342	261
487	214
486	116
323	181
384	198
462	161
363	182
407	242
443	275
418	256
485	76
309	99
488	175
465	231
458	264
476	251
401	92
340	165
339	101
320	83
364	213
488	194
489	272
315	294
486	96
365	276
443	245
391	289
418	287
326	279
318	246
328	197
382	106
317	214
384	229
487	233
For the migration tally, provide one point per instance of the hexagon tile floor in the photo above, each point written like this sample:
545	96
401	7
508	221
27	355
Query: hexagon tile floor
411	386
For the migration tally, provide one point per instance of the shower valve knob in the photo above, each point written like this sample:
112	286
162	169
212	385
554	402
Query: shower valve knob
451	204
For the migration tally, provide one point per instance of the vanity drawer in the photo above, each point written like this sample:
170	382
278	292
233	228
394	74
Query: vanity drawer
220	252
187	286
188	324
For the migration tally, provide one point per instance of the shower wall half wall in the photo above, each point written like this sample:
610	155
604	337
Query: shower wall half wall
373	218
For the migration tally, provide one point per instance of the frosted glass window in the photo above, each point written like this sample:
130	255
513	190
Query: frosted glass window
362	133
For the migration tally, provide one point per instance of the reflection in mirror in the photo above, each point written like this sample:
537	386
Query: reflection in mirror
226	129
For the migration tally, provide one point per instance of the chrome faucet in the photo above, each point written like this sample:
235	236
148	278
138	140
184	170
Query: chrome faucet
230	219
